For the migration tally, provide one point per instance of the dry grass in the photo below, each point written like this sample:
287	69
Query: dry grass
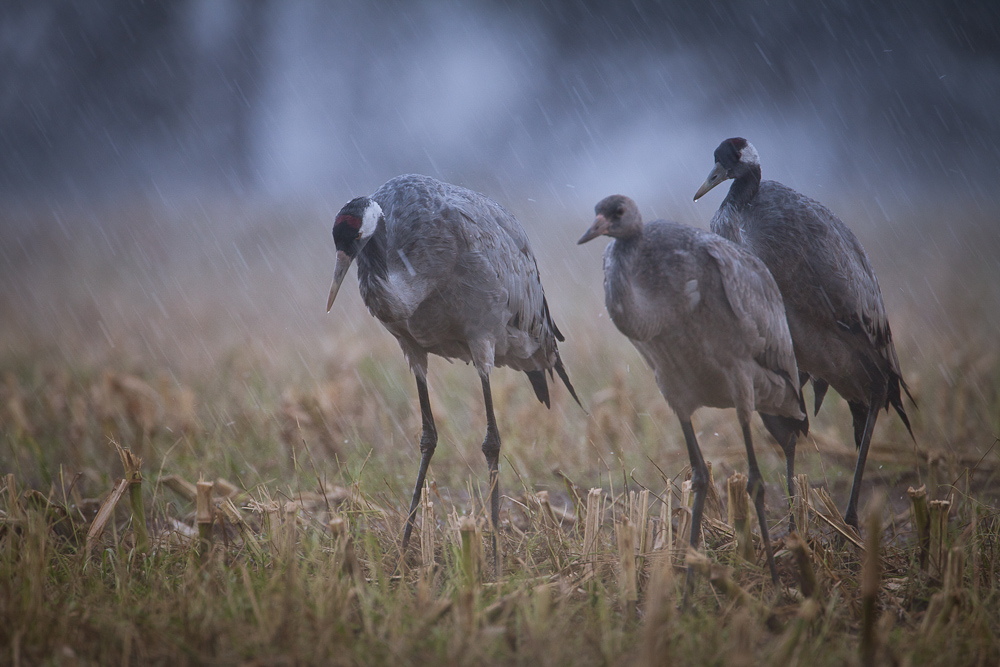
205	353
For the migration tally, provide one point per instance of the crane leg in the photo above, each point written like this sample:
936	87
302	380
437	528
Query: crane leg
699	484
864	423
783	431
491	448
755	487
428	442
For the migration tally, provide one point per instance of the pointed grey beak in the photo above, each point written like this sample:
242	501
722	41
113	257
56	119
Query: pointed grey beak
343	263
717	176
599	227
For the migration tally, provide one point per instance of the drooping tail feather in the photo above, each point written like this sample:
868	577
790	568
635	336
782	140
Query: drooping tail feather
784	430
895	399
541	386
783	427
819	392
561	371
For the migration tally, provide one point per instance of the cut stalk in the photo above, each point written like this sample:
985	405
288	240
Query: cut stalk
470	548
13	497
640	508
939	511
803	558
138	516
291	529
739	514
667	513
954	572
225	488
871	574
180	486
944	602
470	560
338	527
545	509
659	613
249	540
922	522
343	549
272	519
626	554
800	504
684	522
107	509
133	474
592	525
204	517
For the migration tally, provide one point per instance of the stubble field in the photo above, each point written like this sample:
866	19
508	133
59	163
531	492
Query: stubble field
195	337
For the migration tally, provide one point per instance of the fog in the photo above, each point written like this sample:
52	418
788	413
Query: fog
169	170
560	102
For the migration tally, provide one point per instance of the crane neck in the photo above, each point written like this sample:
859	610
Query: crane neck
625	249
629	235
371	259
744	188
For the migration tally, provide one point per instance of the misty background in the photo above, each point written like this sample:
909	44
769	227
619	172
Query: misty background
524	100
169	171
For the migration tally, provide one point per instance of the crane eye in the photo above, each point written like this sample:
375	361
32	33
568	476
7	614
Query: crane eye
358	237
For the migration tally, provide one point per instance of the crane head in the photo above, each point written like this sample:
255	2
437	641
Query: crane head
352	228
733	158
616	216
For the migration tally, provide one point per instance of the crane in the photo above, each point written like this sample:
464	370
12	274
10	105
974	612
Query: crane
708	319
449	271
836	316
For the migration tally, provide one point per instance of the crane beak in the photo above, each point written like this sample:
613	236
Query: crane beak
343	263
717	176
599	227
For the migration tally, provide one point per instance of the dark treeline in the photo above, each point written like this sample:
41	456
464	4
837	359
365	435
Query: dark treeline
110	94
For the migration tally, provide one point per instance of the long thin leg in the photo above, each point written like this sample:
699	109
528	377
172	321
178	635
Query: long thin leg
699	484
755	487
428	442
863	439
783	430
491	448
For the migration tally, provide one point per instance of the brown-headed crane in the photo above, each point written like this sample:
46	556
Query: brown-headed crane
708	319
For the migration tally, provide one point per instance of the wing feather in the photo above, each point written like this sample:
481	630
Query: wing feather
756	301
831	262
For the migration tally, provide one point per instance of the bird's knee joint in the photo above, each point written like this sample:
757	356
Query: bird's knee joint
491	450
428	443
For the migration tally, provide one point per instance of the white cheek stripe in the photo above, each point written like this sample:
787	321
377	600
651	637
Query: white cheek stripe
370	219
749	155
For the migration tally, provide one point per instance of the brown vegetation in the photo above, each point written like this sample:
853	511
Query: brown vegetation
203	362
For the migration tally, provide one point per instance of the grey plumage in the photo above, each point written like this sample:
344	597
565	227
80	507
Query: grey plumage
708	319
832	298
449	271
